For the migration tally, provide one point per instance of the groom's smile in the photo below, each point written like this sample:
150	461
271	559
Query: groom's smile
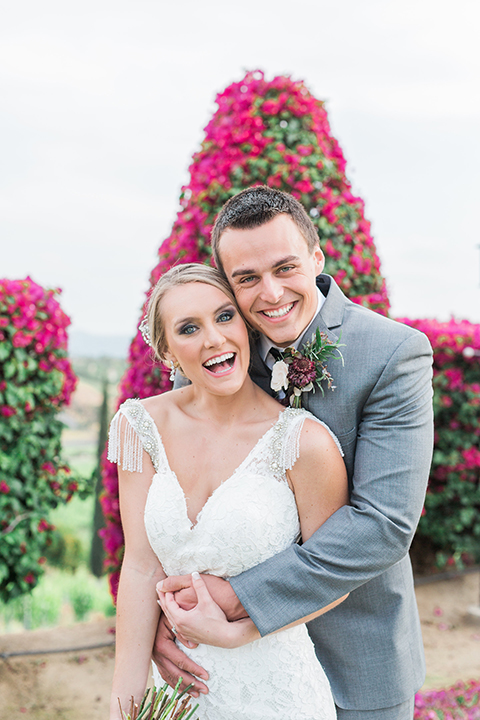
272	273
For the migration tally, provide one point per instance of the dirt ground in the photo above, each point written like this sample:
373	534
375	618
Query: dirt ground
74	685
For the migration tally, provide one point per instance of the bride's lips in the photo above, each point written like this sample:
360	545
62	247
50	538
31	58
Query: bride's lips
222	364
280	313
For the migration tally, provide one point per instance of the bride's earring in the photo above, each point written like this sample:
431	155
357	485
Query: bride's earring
172	370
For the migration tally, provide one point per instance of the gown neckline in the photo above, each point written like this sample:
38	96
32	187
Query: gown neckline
193	523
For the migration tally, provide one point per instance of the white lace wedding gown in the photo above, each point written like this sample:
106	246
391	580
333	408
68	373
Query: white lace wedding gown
251	516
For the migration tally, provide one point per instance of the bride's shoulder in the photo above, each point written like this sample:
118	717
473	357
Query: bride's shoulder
314	432
163	409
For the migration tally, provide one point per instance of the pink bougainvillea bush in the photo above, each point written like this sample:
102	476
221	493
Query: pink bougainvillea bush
451	518
459	702
36	380
264	132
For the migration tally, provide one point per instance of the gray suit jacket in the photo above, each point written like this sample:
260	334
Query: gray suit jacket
381	411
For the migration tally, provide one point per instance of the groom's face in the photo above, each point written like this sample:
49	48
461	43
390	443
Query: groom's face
272	273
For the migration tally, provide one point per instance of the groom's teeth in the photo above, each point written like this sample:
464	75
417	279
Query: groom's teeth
219	359
280	312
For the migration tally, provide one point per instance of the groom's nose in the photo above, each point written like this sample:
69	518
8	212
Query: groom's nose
271	290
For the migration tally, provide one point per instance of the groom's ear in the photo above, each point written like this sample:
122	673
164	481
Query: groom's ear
319	259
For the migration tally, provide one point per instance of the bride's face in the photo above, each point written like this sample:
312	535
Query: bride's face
207	336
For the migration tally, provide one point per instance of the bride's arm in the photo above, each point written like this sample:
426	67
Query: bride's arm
319	482
137	608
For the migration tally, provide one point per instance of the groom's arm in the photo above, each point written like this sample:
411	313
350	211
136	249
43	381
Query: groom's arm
359	541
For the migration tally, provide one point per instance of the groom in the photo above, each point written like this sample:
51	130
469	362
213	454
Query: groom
381	412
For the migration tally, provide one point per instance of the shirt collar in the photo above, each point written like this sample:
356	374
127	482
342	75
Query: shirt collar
264	344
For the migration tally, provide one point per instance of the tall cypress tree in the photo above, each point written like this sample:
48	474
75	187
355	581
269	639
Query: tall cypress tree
96	551
264	132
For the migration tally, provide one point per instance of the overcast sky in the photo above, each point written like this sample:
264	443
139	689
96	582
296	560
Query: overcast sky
103	104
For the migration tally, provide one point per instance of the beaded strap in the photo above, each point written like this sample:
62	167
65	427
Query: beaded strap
285	444
139	433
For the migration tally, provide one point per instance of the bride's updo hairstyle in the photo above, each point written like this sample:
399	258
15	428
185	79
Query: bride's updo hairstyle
179	275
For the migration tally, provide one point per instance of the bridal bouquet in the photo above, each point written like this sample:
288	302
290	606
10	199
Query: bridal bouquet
160	705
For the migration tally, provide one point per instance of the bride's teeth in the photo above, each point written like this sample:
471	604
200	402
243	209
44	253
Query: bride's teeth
219	359
278	313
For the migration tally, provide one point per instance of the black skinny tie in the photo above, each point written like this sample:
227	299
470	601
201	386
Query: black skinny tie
276	354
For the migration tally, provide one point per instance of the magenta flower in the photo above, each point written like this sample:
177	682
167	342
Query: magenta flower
7	411
301	372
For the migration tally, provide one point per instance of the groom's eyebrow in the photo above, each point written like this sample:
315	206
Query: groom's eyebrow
278	263
284	261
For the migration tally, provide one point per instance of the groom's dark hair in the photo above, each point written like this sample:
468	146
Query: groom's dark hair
256	206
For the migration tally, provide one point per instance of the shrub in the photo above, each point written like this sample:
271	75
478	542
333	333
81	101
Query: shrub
49	601
274	133
65	551
459	702
82	601
451	517
36	380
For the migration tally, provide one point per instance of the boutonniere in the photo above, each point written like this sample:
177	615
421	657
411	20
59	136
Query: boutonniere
298	372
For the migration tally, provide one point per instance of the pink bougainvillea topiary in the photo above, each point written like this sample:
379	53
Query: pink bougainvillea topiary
451	518
264	132
36	380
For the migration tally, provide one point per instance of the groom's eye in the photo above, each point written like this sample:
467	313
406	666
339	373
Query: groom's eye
247	278
286	268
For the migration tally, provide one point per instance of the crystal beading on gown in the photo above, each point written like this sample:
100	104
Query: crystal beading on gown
250	517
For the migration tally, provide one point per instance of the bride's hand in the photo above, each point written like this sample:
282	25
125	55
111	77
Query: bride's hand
206	622
173	664
220	590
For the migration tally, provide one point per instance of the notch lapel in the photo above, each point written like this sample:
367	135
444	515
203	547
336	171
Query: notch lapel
331	314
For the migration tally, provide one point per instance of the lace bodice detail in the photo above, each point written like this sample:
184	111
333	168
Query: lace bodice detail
251	516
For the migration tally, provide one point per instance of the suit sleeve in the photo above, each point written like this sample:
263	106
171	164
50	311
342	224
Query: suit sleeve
362	540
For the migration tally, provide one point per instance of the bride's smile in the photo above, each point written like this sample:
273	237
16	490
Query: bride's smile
220	364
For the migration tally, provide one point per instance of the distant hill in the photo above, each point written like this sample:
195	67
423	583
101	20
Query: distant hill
81	344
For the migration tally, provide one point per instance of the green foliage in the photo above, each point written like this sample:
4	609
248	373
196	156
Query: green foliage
82	601
36	379
58	595
451	517
65	551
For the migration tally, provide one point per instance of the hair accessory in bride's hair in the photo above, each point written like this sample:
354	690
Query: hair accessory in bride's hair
143	327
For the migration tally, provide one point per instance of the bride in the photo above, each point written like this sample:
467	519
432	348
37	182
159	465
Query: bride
215	478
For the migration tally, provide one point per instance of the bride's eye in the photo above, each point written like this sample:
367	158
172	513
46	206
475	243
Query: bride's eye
187	329
226	316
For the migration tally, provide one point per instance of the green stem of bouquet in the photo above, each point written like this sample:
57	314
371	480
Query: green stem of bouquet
161	706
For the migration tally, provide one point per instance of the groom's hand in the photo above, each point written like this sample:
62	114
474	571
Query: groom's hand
172	662
220	590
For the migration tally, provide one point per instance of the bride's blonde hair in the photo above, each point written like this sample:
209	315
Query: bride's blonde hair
179	275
